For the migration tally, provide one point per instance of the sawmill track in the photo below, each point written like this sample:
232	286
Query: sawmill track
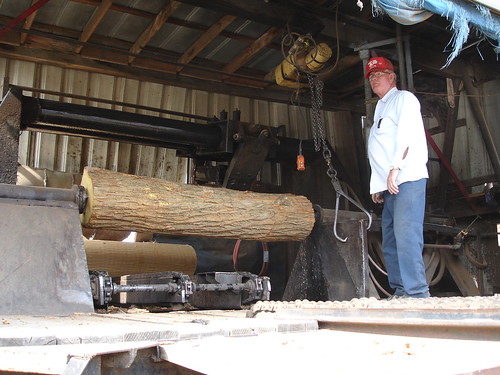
476	318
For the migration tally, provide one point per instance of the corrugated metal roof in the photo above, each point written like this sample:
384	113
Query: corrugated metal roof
241	55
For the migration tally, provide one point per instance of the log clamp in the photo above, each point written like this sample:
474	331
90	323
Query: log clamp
332	173
316	86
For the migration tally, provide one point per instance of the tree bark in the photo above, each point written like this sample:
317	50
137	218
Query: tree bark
143	204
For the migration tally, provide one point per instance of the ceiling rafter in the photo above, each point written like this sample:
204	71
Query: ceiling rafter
133	50
59	38
249	52
204	40
28	23
119	8
153	27
64	60
154	58
173	21
93	22
170	20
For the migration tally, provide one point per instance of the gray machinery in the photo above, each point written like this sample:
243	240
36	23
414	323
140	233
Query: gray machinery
44	270
43	265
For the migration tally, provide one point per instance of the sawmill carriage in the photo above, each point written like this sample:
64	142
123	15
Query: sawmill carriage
143	174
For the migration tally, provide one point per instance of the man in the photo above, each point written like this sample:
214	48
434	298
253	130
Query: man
397	150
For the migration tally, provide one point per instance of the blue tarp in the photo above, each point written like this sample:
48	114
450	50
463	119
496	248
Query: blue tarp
461	14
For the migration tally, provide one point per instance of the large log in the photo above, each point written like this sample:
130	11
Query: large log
126	202
126	258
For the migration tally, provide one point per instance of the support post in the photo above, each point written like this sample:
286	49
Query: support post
449	138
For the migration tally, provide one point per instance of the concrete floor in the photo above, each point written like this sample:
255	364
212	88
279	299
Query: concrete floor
227	342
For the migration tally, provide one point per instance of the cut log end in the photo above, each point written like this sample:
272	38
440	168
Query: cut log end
89	188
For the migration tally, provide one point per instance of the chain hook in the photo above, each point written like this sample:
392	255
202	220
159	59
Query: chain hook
339	192
316	86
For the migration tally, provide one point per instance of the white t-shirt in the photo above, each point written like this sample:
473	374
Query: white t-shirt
397	126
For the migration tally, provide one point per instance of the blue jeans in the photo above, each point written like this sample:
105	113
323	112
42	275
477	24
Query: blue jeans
402	239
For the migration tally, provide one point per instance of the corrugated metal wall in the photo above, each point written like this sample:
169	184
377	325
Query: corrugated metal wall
470	158
71	154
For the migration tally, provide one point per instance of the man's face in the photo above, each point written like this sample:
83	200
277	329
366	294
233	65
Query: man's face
381	82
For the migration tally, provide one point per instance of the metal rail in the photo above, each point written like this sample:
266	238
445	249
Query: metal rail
466	318
75	195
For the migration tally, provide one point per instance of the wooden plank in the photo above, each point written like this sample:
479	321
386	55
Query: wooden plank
28	22
204	40
462	278
264	40
94	21
153	28
449	139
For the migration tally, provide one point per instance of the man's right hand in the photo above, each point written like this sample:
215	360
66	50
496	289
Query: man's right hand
378	198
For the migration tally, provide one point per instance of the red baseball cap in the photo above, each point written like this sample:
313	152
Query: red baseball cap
378	64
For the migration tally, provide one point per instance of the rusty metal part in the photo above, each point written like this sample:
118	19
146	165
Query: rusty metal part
254	144
52	196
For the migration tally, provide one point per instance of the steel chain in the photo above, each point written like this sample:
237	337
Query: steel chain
316	85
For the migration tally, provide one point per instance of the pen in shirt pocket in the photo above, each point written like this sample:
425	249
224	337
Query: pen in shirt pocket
379	122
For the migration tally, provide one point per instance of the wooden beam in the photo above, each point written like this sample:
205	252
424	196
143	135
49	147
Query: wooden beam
153	27
264	40
11	38
204	40
449	139
272	94
119	8
171	20
94	21
160	62
28	23
351	30
344	65
460	275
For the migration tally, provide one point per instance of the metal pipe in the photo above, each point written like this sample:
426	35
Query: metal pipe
438	246
401	57
88	121
224	287
153	288
364	55
186	137
409	65
105	101
38	193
